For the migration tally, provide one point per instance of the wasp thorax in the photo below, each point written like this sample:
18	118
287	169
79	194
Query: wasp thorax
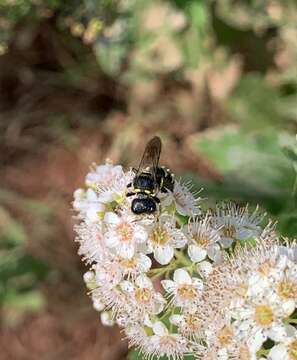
144	183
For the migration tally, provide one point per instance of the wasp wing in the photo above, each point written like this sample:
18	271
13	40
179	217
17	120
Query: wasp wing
150	157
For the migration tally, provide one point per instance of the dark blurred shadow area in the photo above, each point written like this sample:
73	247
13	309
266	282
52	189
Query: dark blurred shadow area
82	81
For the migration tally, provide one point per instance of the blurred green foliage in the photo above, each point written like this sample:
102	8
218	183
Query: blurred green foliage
20	273
256	170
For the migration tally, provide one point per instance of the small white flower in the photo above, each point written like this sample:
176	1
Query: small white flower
116	191
290	252
123	234
236	223
134	266
204	268
88	205
139	336
287	349
90	238
108	277
104	175
189	324
186	203
90	280
204	240
107	273
284	282
185	291
98	305
174	346
261	317
221	343
89	276
164	237
143	296
106	318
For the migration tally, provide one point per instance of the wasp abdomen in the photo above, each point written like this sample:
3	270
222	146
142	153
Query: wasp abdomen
145	205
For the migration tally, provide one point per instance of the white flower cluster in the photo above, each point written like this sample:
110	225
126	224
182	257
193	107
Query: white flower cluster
166	279
251	304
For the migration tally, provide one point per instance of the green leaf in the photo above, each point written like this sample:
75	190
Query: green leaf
254	169
256	159
255	104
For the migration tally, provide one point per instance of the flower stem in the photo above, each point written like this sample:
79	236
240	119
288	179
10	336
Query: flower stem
290	321
182	259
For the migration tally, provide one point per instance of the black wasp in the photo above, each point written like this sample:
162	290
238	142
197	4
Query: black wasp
150	178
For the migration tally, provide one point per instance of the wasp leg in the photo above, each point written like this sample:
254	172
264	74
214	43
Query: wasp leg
156	199
130	194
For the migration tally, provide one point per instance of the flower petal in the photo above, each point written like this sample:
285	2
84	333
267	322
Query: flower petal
181	276
196	253
163	254
160	329
111	239
112	218
168	285
278	352
204	268
226	242
145	263
106	197
143	281
176	319
140	235
277	333
197	283
126	250
127	286
93	210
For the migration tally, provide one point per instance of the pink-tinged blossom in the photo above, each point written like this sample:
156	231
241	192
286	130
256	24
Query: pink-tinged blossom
164	237
184	290
123	234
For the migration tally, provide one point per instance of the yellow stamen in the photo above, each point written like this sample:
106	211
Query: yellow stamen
264	315
187	292
143	295
229	230
292	350
287	289
201	240
225	335
125	231
159	236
